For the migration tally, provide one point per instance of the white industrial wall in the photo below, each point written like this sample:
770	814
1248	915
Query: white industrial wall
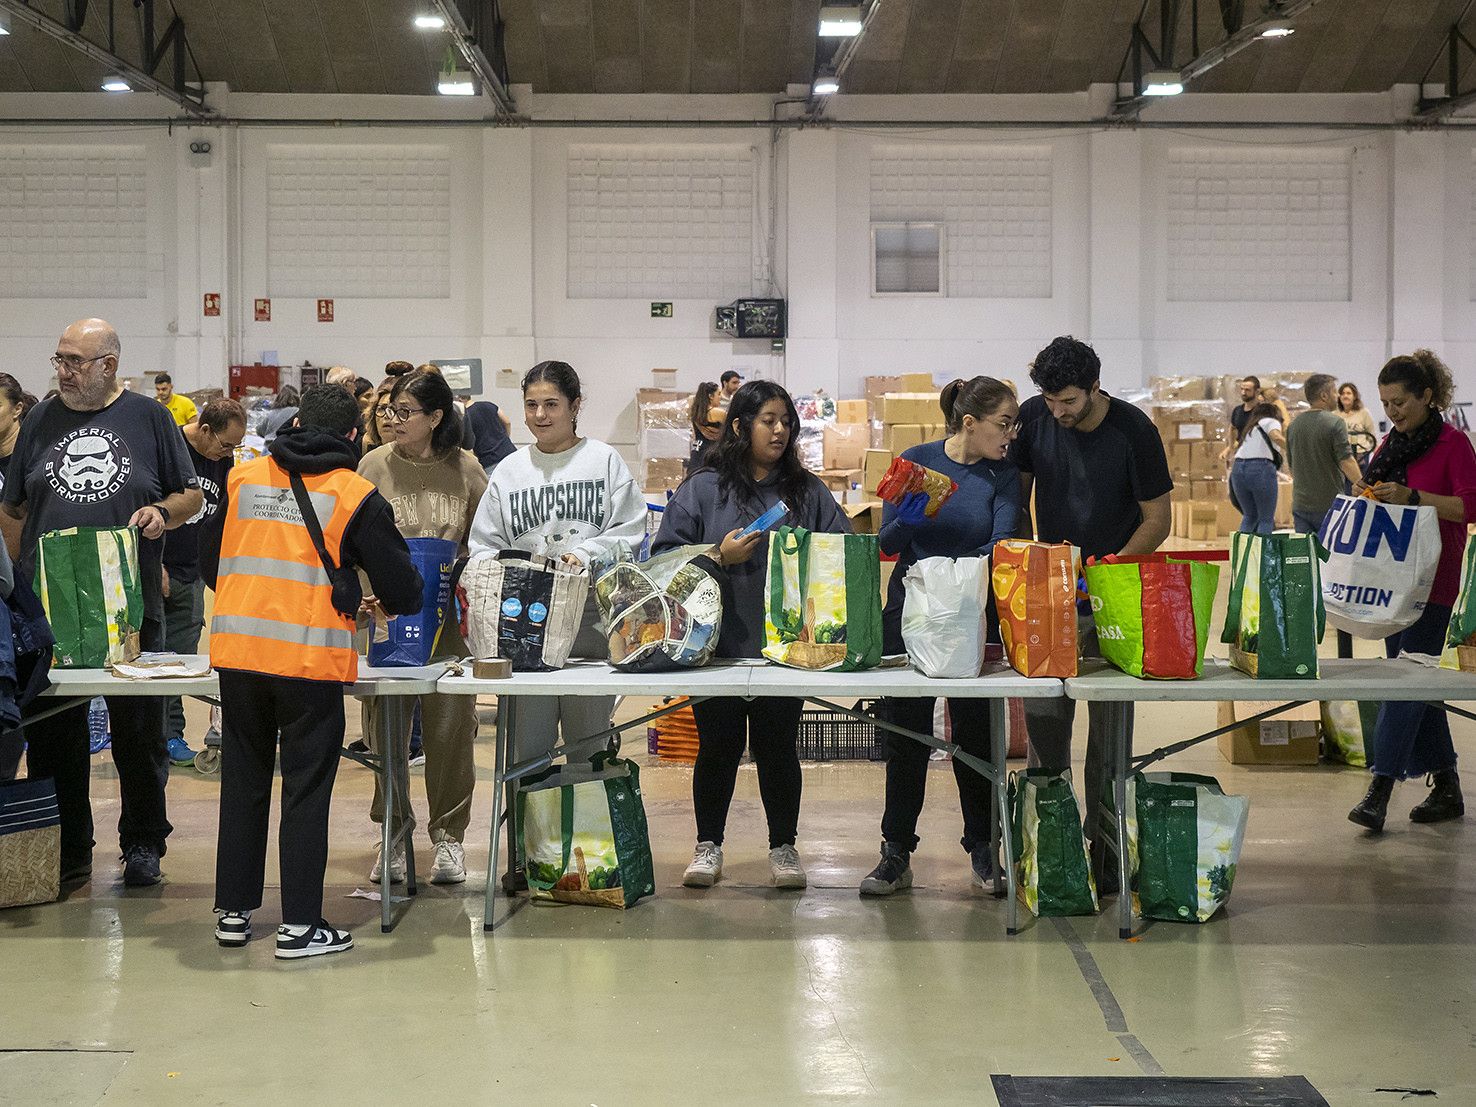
1172	250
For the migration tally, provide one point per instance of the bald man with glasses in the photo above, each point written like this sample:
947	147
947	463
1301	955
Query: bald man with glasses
97	455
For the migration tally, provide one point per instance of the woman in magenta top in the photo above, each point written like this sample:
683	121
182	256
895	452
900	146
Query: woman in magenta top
1422	460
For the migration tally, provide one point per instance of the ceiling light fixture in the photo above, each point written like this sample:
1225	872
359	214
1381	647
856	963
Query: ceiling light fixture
1277	28
840	20
114	83
1163	82
430	23
455	81
4	23
826	83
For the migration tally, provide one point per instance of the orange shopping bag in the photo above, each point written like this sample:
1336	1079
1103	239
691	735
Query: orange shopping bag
1035	594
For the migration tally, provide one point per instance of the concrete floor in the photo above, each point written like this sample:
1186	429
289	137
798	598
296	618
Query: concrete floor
1341	957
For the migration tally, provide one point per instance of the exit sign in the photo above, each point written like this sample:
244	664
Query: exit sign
660	310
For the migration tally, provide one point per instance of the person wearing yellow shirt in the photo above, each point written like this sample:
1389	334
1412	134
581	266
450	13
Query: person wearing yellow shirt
181	407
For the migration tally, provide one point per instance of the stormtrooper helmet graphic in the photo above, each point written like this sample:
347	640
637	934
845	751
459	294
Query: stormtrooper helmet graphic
88	463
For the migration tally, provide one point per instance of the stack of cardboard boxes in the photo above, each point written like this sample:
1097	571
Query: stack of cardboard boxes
663	438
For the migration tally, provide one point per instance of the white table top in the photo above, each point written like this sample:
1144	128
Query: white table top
751	678
100	682
1339	679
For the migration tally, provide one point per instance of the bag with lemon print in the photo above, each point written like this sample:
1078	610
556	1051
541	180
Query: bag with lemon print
1054	870
1275	617
824	600
87	578
1035	595
1184	841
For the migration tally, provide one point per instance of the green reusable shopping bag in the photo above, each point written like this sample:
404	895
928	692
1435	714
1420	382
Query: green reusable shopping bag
1153	613
87	578
824	600
1460	638
1348	731
584	835
1054	872
1275	617
1184	841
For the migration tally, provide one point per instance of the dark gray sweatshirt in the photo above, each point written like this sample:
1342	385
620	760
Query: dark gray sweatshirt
701	513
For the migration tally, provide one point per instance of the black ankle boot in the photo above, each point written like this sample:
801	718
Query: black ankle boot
1444	801
1372	807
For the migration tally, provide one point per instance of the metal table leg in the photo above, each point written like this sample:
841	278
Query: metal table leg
998	755
501	755
1121	754
396	729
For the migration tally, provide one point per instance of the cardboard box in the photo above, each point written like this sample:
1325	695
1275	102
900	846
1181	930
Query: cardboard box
874	466
1290	738
1227	518
865	517
663	474
845	445
1208	490
851	411
901	436
910	407
839	480
1283	505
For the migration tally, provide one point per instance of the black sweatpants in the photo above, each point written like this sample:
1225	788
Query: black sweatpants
309	714
59	749
907	769
769	726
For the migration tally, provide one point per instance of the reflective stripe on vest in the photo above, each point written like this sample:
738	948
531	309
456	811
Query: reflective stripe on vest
274	609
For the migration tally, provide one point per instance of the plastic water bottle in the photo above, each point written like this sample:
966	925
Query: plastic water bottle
98	735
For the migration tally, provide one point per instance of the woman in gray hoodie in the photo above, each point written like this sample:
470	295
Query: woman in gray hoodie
752	467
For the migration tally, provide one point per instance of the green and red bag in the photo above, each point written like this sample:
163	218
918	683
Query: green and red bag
1153	613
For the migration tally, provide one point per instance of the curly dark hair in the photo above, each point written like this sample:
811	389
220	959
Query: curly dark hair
1066	363
328	407
732	456
1419	371
431	392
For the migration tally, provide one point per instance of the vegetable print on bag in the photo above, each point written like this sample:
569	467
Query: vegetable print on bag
823	608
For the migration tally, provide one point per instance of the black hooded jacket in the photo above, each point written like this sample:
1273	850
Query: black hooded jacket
371	541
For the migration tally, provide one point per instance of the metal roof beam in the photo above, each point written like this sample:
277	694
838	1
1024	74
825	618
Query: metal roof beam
140	77
469	45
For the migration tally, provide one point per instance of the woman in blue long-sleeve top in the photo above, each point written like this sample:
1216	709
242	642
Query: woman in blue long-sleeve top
981	416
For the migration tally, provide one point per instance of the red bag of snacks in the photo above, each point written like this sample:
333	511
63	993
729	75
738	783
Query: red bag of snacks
904	477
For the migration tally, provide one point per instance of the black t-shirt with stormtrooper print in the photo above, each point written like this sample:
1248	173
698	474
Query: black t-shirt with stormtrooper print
95	469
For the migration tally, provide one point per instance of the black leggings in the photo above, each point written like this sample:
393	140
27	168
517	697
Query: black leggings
769	726
907	770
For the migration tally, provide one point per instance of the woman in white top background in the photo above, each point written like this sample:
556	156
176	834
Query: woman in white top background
1253	473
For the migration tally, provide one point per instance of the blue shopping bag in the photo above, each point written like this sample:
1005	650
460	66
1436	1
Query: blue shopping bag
409	640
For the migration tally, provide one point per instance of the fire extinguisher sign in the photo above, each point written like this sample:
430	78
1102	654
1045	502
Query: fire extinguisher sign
212	304
263	311
325	311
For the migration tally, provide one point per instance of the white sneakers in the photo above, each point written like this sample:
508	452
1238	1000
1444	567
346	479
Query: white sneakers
706	866
396	865
294	942
785	870
449	866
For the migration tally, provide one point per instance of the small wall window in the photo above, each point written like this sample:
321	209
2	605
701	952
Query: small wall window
907	259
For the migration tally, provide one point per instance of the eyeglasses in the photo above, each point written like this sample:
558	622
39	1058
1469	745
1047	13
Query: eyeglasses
1009	426
73	364
403	413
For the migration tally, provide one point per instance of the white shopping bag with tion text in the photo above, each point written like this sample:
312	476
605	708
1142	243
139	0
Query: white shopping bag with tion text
1381	564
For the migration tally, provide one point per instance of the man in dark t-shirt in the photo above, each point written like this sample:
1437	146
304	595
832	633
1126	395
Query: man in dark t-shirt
211	441
97	455
1101	482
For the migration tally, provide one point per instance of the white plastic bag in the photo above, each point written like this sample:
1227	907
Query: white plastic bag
944	615
1381	564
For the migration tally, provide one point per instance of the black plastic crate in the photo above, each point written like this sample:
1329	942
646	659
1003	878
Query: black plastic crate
826	735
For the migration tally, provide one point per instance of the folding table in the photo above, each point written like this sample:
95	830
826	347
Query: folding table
746	679
76	686
1342	679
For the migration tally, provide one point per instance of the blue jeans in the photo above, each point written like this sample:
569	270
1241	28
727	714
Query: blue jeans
1254	482
1412	739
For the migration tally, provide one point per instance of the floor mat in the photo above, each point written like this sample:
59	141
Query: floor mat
1154	1091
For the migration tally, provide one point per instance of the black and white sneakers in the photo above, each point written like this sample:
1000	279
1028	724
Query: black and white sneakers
232	928
311	941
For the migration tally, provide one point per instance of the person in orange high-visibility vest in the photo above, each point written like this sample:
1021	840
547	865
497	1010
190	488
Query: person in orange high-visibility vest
282	640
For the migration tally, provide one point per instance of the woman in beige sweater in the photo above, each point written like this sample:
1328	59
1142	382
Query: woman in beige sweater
434	487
